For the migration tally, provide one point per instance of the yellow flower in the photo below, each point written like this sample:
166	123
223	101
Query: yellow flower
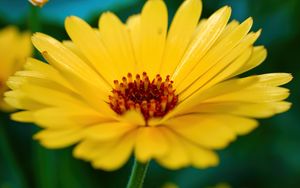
15	47
135	88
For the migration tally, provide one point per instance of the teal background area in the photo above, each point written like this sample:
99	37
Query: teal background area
269	157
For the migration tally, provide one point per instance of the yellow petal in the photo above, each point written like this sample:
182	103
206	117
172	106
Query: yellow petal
23	116
239	56
228	29
13	50
180	34
8	33
67	117
49	97
216	74
5	107
203	41
134	27
178	156
22	78
71	46
48	71
132	117
65	60
154	23
215	55
255	110
150	143
274	79
14	103
116	156
15	82
108	130
83	78
95	95
229	69
281	107
59	138
199	27
19	49
257	91
92	47
239	125
219	89
25	46
258	56
204	130
116	39
18	99
26	73
200	157
255	94
88	149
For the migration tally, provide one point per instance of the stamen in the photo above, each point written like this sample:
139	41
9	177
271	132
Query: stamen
146	84
122	88
116	82
152	98
144	105
130	104
158	84
170	97
121	104
163	103
138	107
125	82
129	76
138	80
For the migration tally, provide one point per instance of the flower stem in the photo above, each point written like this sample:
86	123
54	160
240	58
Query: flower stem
34	19
138	174
34	25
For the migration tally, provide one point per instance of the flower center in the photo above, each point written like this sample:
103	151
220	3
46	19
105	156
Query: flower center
152	98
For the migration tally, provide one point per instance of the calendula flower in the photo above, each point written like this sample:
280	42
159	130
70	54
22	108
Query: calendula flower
15	47
139	88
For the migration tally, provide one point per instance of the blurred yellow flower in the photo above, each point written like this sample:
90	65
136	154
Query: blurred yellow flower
15	47
221	185
38	3
169	95
170	185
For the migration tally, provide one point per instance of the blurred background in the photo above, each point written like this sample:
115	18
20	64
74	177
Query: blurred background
269	157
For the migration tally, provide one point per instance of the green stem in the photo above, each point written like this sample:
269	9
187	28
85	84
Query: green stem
34	19
138	174
34	24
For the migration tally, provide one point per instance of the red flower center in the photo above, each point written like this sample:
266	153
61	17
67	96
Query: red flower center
152	98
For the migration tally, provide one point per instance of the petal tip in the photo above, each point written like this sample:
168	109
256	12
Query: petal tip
249	21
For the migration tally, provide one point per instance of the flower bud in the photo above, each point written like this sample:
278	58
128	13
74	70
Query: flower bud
39	3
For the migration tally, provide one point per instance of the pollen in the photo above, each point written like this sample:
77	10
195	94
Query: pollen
152	98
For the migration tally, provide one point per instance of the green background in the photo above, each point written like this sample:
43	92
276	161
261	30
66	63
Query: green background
269	157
